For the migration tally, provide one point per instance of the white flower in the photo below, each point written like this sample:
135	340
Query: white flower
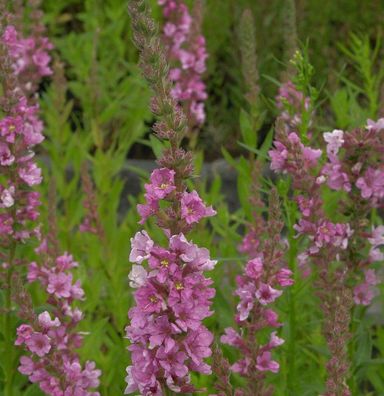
138	276
6	197
335	140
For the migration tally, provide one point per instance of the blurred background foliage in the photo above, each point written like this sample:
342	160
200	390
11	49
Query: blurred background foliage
92	37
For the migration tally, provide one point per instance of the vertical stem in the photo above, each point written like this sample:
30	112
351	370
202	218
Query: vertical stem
291	353
9	371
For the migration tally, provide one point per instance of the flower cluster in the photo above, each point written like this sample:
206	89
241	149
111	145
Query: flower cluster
258	287
52	362
292	104
162	188
355	165
20	131
291	156
365	171
284	155
186	48
173	297
328	242
30	56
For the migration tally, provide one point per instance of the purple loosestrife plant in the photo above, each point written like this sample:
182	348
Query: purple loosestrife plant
326	242
355	165
173	297
187	54
20	132
50	339
262	282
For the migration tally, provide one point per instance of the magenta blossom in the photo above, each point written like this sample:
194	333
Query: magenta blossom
193	208
267	294
265	363
162	183
371	184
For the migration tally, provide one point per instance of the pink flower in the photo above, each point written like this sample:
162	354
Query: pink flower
279	156
24	333
197	345
231	337
376	125
148	209
148	299
6	157
241	366
271	318
266	294
275	341
60	285
376	255
377	237
254	268
363	294
172	362
371	184
38	343
46	322
246	294
283	277
193	208
371	277
31	174
162	183
66	262
337	179
141	247
27	366
305	205
249	243
265	363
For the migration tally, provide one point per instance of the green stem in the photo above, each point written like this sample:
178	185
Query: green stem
9	369
292	320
